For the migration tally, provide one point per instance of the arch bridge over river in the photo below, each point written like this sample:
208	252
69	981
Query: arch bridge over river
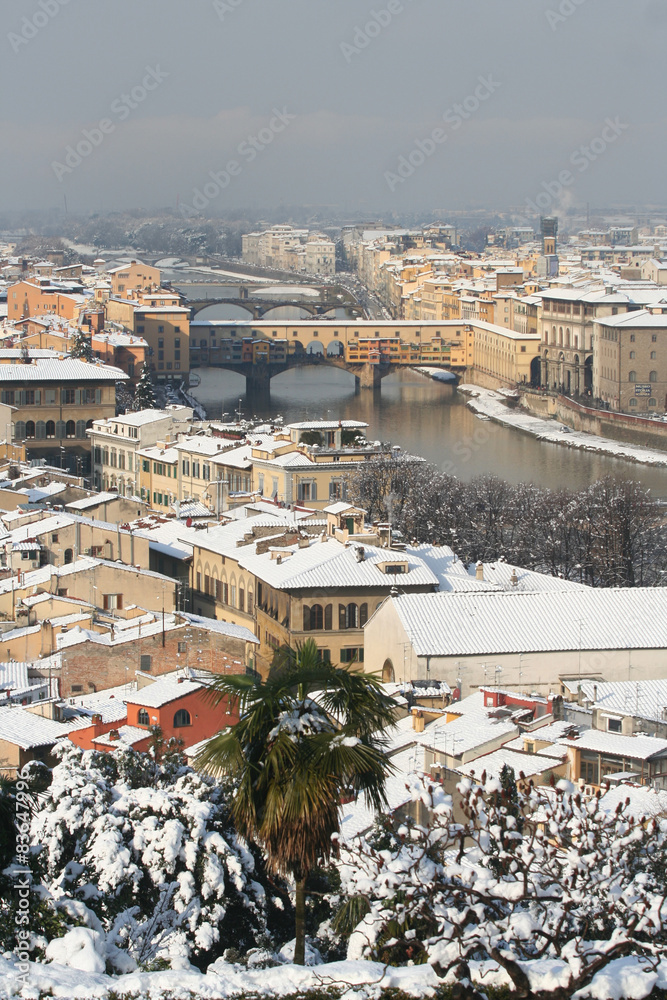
369	349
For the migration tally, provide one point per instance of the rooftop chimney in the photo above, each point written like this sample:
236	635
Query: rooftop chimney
479	571
514	579
417	720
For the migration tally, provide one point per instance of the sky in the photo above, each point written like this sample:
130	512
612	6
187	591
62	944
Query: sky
368	107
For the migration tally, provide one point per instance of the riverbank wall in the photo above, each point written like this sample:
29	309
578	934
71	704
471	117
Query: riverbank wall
603	423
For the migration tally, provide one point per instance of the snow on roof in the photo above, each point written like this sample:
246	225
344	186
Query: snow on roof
109	703
333	564
632	747
128	736
69	370
26	730
469	624
644	801
163	690
326	425
646	699
527	580
93	501
493	763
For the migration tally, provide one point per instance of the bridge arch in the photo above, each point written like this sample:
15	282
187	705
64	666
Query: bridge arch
335	349
315	347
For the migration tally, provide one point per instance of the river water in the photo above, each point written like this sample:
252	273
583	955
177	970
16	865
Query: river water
425	418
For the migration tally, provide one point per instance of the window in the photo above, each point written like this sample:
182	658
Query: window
614	725
145	465
182	647
113	602
653	376
206	472
70	430
69	556
68	396
145	662
652	402
632	376
633	354
241	599
142	717
232	596
195	468
348	616
653	355
352	655
186	467
30	428
182	718
54	538
654	338
51	433
633	402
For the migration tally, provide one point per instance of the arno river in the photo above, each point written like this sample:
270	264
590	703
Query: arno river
425	418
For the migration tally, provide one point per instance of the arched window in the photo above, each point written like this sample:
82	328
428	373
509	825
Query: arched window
50	429
388	675
560	336
633	402
81	428
316	617
567	336
350	615
89	424
328	616
69	556
632	376
30	428
652	402
182	718
633	355
363	615
142	717
653	376
306	618
70	429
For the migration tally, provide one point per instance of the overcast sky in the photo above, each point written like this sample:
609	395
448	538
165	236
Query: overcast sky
367	83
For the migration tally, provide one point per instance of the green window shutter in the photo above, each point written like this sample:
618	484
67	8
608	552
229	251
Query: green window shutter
38	397
77	397
98	395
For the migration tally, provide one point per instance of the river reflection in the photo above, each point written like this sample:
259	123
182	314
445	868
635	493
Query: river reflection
425	418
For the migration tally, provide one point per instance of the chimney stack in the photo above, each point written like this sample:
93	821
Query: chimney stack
479	571
417	720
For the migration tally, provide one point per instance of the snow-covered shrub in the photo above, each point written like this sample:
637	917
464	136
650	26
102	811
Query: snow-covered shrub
145	857
539	881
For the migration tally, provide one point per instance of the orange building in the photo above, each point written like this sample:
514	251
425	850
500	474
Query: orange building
179	705
41	298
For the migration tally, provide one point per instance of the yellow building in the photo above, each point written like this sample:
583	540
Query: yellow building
133	277
505	357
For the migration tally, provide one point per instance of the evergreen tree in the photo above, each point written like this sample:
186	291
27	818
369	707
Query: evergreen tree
144	397
81	346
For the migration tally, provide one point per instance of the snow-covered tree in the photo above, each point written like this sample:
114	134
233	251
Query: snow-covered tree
144	396
142	854
81	346
557	893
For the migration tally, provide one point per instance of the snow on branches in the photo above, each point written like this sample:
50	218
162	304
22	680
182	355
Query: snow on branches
539	882
144	858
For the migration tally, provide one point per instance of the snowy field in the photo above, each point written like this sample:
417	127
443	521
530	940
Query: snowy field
491	404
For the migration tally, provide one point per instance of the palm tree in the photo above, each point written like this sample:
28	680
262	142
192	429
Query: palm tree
306	734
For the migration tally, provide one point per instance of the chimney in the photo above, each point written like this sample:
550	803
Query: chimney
514	579
360	553
417	720
479	571
114	734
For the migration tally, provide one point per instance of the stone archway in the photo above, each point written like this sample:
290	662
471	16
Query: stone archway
388	673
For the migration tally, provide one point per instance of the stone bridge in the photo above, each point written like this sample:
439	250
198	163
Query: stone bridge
258	306
258	374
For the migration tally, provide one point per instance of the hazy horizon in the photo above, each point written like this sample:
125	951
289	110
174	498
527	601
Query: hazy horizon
398	105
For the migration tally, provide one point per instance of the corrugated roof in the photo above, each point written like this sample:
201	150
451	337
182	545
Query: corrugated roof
70	370
593	618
